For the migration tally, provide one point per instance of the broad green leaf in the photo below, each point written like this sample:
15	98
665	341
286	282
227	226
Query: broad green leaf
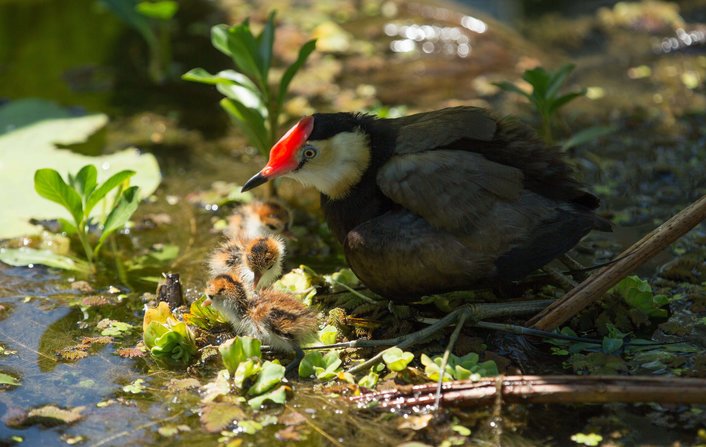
311	359
396	359
219	38
243	50
557	78
6	379
104	188
586	135
245	96
270	375
250	122
560	102
292	70
265	42
125	208
510	87
237	350
49	184
85	182
328	335
160	314
278	396
370	380
40	138
28	256
538	78
161	10
154	331
246	369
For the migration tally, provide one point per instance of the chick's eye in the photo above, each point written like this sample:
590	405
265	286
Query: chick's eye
310	152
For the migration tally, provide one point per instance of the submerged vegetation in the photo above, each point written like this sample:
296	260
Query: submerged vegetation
79	368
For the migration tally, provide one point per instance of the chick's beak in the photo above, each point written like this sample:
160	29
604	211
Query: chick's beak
207	302
256	279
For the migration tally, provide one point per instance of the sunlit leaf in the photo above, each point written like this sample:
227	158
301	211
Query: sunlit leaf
104	188
328	335
124	209
52	415
26	256
396	359
159	10
85	181
49	184
270	375
6	379
278	396
237	350
135	387
246	369
265	41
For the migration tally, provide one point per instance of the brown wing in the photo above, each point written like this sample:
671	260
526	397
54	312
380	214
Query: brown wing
399	254
429	130
452	190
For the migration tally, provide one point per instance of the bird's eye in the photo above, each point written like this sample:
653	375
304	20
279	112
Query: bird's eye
310	152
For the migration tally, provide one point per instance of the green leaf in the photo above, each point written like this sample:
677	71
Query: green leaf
270	375
397	359
538	78
249	121
370	380
49	184
557	78
6	379
39	137
28	256
153	332
243	50
328	335
237	350
85	182
246	369
135	387
219	38
510	87
101	191
560	102
265	42
586	135
161	10
278	396
124	209
307	364
292	70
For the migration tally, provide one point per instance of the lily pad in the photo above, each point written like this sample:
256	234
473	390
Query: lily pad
32	145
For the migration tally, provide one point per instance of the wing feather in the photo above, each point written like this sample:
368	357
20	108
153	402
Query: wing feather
452	190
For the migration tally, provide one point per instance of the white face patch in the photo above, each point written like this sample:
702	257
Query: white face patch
339	165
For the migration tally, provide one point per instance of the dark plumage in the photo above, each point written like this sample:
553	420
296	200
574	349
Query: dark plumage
445	200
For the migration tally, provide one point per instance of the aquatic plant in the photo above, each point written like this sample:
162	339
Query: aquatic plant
545	96
81	194
154	21
243	361
169	340
459	368
251	99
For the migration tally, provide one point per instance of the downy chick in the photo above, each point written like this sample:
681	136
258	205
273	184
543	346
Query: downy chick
279	320
257	262
258	219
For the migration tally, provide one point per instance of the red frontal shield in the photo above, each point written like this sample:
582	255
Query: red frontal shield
283	153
